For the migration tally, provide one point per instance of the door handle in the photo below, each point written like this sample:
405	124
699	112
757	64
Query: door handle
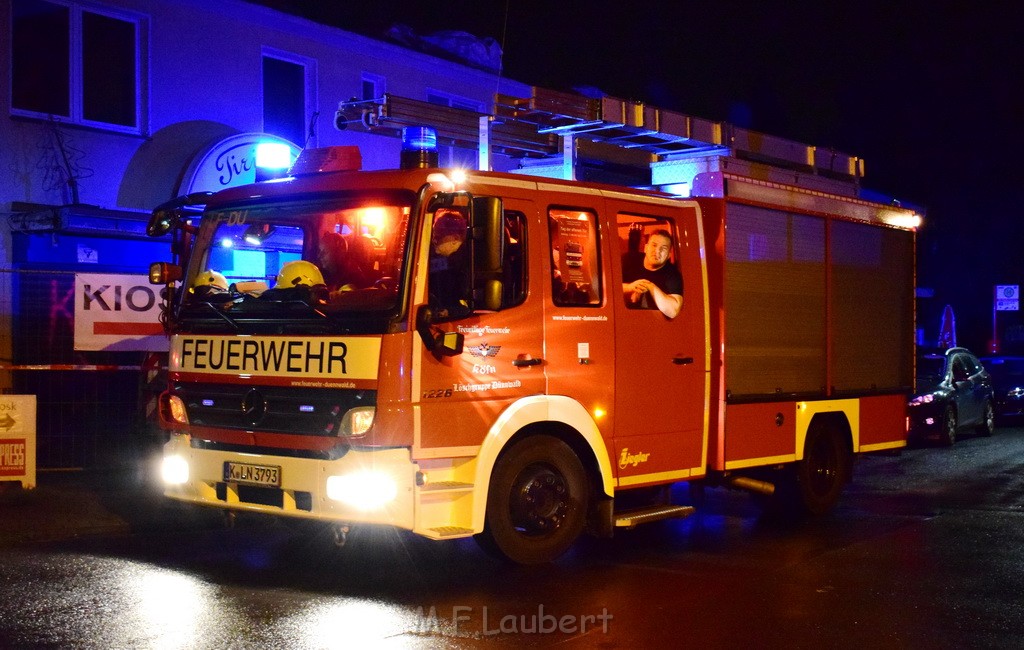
682	361
526	361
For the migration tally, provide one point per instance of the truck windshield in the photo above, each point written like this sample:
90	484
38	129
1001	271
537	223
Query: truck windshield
256	265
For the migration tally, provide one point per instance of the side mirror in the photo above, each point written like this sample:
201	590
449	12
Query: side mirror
160	223
488	228
172	214
441	344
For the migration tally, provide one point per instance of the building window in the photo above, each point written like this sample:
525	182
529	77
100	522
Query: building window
80	65
373	86
451	156
289	97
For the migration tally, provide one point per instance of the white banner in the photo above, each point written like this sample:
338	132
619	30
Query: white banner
18	439
117	313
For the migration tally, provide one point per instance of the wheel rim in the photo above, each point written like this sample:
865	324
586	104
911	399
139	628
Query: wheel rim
950	422
823	463
990	418
540	500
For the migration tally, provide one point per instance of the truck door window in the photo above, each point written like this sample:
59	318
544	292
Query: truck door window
575	263
514	273
449	265
449	274
649	251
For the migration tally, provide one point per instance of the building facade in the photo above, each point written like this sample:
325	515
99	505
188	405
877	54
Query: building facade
111	108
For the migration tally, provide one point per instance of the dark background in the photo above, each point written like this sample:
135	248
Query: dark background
927	93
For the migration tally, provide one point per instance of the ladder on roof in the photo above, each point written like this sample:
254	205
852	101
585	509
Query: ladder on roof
551	125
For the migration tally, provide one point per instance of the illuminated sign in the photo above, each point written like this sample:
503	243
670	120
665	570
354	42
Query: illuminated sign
229	163
1007	297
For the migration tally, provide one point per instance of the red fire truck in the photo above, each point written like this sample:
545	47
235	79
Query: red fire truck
456	353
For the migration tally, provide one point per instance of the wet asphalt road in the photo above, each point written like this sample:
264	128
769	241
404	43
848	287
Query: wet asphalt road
925	550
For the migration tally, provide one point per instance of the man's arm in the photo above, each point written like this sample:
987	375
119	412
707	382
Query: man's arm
668	303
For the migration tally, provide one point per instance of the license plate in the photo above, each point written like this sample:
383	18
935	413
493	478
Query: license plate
252	474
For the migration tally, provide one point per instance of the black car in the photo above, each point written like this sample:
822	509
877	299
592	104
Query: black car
1008	381
954	392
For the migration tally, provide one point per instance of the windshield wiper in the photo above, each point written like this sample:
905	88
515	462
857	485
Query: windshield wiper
230	321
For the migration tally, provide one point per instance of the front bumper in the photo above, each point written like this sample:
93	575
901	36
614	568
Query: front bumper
926	420
307	488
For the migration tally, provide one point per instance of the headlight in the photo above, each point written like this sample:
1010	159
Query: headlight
174	470
922	399
366	490
1015	393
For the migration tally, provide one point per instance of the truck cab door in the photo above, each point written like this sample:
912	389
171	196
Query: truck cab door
661	369
460	390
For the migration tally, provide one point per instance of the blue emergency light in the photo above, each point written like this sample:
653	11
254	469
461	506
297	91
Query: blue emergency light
272	160
273	156
419	147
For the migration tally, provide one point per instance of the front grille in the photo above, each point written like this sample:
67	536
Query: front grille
273	409
333	452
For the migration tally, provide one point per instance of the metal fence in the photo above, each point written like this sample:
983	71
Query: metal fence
93	408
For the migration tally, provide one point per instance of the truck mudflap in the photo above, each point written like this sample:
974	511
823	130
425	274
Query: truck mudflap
362	487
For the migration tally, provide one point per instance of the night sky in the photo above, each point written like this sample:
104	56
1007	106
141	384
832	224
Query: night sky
928	93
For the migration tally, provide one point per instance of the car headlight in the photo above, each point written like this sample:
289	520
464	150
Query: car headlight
921	399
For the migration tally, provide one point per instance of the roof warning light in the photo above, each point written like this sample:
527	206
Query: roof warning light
419	147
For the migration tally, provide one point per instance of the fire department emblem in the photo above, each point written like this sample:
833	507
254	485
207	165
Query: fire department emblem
484	350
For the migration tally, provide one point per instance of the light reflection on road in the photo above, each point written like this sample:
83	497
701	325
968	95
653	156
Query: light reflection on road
170	606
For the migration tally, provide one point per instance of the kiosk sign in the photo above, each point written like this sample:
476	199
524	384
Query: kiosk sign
117	312
18	439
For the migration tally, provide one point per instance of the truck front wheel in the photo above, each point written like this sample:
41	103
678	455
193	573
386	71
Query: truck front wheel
537	502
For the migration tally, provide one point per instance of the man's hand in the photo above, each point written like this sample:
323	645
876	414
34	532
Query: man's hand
637	288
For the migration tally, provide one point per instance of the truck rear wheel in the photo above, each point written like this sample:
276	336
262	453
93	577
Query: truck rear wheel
537	502
813	485
824	471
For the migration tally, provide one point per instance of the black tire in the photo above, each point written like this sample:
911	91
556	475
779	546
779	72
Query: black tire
537	502
824	470
987	426
949	426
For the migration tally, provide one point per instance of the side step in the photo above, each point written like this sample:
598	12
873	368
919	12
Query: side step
632	518
449	532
